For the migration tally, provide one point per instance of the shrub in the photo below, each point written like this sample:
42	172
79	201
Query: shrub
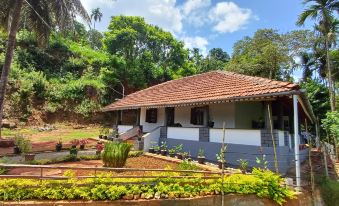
24	144
263	183
329	191
115	154
187	165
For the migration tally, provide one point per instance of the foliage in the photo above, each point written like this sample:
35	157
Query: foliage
243	165
262	162
331	124
221	155
163	145
23	143
265	54
264	184
151	54
135	153
115	154
187	165
201	153
329	191
179	148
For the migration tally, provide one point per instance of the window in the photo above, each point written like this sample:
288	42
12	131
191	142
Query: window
151	115
197	115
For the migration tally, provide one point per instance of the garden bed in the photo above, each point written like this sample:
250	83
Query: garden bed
142	161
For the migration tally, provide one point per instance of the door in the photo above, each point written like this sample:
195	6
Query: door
169	116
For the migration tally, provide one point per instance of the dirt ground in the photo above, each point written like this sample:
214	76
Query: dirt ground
134	162
46	146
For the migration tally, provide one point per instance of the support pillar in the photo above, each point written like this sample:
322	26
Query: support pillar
296	141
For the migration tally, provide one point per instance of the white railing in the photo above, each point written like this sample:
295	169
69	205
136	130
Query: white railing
236	136
183	133
124	128
151	137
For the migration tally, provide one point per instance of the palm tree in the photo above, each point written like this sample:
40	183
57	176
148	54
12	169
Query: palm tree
96	16
322	11
41	16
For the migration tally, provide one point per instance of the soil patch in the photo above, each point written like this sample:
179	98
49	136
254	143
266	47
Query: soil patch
134	162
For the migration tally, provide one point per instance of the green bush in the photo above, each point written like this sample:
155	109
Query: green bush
115	154
265	184
329	191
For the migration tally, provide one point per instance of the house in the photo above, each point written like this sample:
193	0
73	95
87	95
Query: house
192	111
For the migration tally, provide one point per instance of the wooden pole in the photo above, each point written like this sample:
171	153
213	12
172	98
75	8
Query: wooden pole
310	162
273	141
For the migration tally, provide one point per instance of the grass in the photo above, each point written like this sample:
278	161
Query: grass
63	132
71	135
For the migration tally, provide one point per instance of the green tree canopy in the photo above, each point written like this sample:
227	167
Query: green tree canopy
152	55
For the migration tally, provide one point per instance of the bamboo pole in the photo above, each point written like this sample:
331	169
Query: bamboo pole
273	142
310	163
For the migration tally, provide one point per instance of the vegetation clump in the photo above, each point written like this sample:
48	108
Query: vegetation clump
115	154
263	183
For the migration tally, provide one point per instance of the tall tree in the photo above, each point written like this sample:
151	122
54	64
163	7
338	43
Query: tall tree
323	12
265	54
96	16
41	16
152	55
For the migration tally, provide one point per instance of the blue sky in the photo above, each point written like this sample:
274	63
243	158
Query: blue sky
206	24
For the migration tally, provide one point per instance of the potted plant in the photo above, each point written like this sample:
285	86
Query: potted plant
16	149
58	146
184	155
188	156
74	143
243	164
157	149
151	149
171	152
163	148
221	157
178	150
201	156
83	143
99	148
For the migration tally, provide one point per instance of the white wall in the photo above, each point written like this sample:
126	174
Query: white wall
147	127
124	128
182	115
236	136
183	133
151	138
220	113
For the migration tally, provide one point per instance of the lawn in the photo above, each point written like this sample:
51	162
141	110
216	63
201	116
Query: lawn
65	133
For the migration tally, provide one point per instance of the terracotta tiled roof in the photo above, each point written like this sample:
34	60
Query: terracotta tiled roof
207	87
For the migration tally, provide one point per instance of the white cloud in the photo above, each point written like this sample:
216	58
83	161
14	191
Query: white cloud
196	42
162	13
195	12
229	17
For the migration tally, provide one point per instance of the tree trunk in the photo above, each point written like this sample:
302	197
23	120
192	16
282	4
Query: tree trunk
330	82
9	54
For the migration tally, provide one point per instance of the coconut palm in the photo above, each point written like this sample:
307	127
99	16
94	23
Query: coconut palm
96	16
40	16
323	12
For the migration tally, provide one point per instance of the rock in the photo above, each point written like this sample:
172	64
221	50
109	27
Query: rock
157	195
136	196
142	196
8	124
148	196
128	197
163	196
